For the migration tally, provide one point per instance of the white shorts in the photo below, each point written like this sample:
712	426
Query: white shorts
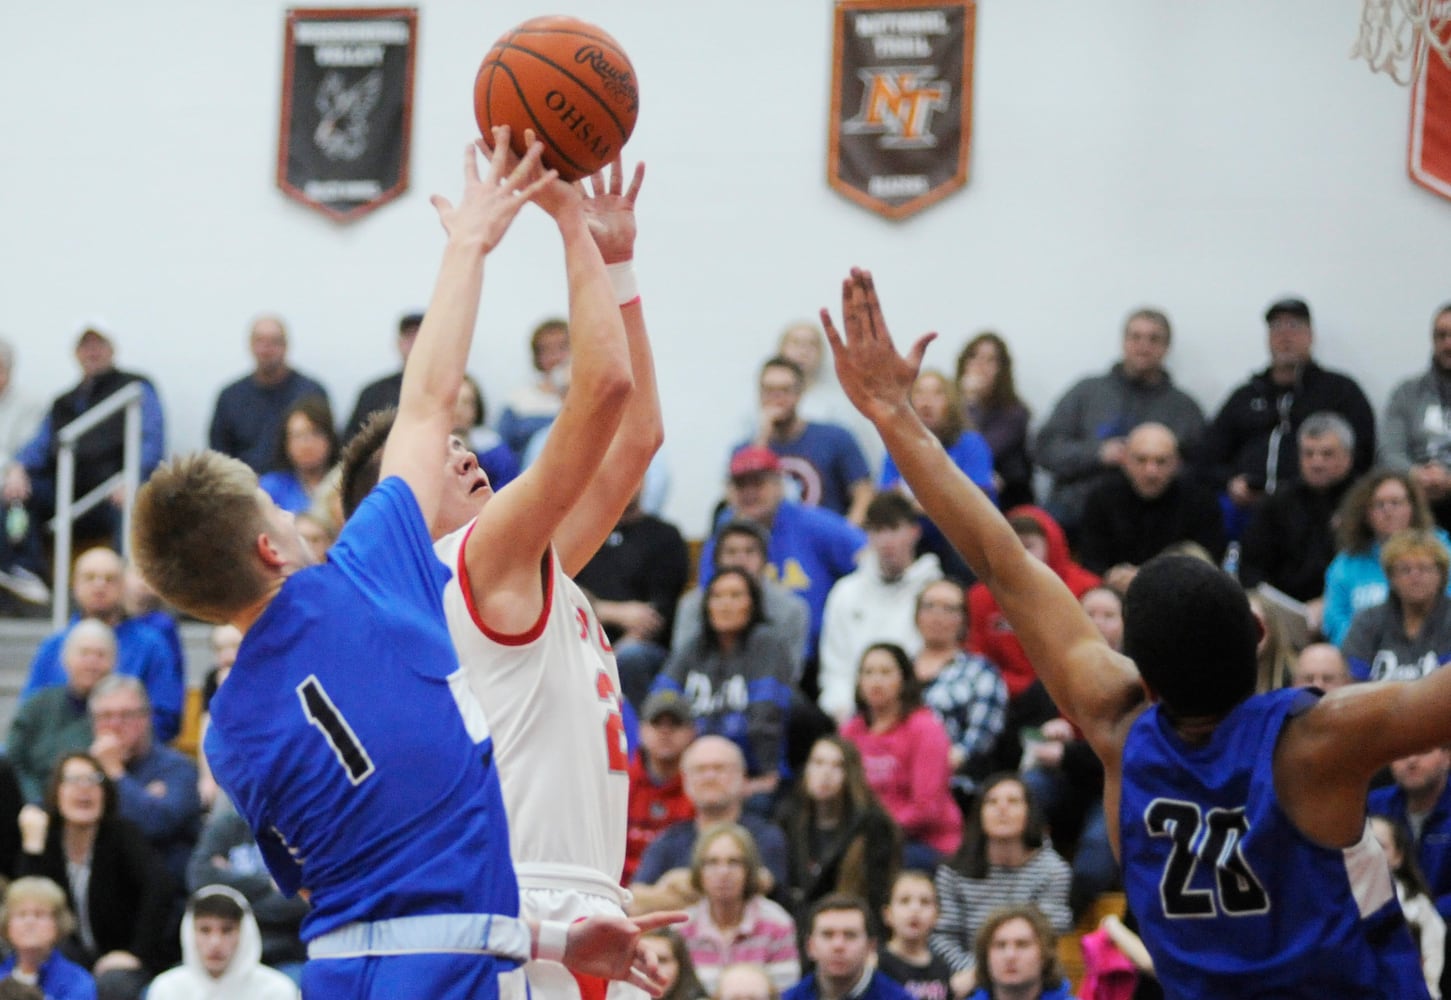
550	980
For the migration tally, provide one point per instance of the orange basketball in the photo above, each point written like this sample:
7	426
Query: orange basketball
568	81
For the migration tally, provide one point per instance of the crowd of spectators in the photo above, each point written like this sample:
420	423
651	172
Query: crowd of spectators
830	710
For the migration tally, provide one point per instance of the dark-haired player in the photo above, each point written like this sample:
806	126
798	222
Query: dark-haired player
1239	819
343	733
533	653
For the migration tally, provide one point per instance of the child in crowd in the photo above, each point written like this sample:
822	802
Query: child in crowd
1426	923
909	916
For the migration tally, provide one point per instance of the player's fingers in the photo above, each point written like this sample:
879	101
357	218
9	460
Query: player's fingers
832	337
651	986
528	169
919	350
616	175
635	183
471	160
650	921
441	205
499	155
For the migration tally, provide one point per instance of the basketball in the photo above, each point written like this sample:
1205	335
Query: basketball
567	80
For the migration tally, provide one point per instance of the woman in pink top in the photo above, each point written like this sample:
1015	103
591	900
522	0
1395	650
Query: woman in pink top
905	751
734	922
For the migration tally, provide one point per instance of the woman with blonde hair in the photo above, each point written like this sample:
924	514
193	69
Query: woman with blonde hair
1409	635
33	920
734	921
1380	503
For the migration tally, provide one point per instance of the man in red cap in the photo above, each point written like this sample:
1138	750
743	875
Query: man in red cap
809	548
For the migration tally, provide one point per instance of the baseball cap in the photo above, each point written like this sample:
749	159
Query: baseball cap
754	459
666	703
1288	307
95	328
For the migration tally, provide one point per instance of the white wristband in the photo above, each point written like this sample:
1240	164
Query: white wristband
622	279
552	941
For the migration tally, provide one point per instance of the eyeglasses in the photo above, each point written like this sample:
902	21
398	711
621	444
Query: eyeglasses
119	715
1407	569
736	863
1390	503
88	780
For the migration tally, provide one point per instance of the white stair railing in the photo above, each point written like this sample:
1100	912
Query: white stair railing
68	508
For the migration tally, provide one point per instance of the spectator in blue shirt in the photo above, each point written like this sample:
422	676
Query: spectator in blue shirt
156	786
250	411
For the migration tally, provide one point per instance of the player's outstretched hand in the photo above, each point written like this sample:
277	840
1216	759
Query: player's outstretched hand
608	946
490	203
875	377
610	210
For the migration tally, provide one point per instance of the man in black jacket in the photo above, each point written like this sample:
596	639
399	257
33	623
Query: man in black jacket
1289	541
1250	448
1146	507
100	452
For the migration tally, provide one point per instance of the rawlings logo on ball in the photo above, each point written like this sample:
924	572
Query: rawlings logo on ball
618	82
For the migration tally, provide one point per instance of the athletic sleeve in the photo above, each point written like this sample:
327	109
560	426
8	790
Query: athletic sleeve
385	548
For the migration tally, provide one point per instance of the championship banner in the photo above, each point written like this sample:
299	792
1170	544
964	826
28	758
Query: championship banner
1430	145
347	107
901	102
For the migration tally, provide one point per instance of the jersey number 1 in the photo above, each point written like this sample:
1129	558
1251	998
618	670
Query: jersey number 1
323	714
1237	890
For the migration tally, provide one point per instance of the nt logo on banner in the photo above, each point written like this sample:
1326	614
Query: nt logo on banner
347	107
901	102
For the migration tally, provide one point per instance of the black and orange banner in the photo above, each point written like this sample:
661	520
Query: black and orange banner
901	102
347	107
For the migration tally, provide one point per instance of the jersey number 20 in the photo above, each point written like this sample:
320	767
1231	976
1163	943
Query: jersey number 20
1237	892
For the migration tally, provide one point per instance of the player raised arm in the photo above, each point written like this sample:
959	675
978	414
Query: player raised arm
1328	755
434	372
610	210
1091	684
516	527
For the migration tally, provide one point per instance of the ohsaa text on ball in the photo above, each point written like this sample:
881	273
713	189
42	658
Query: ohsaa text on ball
575	121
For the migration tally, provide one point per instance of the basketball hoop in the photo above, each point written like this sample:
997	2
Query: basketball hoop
1396	35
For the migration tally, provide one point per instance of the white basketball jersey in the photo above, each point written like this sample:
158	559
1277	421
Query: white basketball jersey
552	699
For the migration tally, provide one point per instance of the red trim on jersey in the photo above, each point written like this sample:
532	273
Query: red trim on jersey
522	638
591	987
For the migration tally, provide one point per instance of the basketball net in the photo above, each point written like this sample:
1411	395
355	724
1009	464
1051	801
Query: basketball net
1396	36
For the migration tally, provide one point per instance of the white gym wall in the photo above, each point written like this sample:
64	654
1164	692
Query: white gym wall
1202	157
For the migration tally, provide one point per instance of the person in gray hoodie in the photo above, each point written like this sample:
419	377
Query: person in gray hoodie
1082	443
221	954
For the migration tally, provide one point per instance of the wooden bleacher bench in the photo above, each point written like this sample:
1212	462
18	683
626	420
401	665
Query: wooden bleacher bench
188	740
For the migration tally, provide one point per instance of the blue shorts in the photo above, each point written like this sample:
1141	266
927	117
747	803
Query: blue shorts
392	977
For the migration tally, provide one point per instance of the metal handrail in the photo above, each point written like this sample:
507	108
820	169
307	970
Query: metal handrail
67	508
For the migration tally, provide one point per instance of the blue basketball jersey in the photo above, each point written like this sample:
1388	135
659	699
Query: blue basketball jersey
347	737
1232	900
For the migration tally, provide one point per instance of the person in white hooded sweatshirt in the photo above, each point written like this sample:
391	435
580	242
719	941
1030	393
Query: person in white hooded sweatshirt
221	951
876	603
